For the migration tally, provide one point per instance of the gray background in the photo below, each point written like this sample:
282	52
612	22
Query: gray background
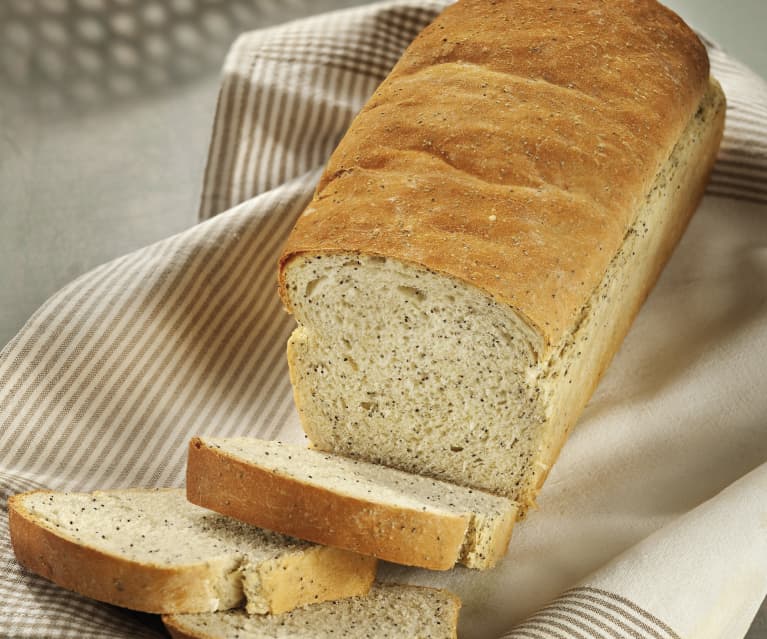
105	114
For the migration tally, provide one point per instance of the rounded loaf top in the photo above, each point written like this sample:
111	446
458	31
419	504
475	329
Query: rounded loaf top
512	147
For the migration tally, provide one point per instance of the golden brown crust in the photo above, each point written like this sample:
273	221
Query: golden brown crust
509	148
314	575
99	575
258	496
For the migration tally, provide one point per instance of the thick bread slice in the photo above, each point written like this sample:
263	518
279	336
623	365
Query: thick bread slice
152	550
366	508
389	611
487	229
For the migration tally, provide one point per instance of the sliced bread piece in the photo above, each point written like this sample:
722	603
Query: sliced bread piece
152	550
389	611
363	507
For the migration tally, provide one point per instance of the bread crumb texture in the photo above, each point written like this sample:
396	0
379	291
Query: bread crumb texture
389	611
155	526
399	365
152	550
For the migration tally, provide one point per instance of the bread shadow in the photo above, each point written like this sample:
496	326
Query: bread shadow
655	476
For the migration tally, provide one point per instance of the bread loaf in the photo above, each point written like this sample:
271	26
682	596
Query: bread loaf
151	550
487	229
365	508
389	611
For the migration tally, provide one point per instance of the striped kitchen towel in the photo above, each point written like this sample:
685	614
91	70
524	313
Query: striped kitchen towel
110	377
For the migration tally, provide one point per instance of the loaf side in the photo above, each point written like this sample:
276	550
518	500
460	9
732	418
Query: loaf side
579	361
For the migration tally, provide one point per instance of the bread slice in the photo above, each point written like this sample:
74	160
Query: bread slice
389	611
365	508
151	550
487	229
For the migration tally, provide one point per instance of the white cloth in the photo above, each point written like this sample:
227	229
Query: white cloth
108	380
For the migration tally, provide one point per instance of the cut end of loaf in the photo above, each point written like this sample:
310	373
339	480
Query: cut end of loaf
399	365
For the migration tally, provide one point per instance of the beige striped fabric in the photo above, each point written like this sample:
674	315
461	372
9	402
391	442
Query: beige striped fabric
289	93
592	612
741	168
108	379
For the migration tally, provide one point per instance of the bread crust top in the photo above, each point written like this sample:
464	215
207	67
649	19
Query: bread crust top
511	147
